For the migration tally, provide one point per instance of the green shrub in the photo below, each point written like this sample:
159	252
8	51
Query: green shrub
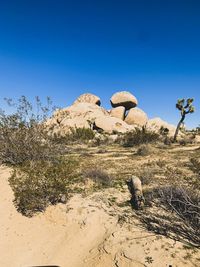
139	136
83	134
76	135
36	184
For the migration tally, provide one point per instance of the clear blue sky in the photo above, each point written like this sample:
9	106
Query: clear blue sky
63	48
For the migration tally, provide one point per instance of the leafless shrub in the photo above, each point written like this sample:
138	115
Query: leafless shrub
183	223
22	134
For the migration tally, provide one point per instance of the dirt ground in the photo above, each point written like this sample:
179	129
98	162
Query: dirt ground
100	228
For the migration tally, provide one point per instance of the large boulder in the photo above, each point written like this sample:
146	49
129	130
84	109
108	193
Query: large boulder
110	125
124	99
79	115
156	124
118	112
88	98
136	116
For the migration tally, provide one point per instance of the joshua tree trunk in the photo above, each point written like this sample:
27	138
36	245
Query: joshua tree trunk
178	127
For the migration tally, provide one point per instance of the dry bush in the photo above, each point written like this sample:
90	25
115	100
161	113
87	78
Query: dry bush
146	175
138	137
36	184
81	134
144	150
195	165
175	213
22	134
99	176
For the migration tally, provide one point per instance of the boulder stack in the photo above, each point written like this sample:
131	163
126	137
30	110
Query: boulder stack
86	112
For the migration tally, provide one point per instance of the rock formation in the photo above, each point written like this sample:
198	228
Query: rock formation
155	125
86	112
136	116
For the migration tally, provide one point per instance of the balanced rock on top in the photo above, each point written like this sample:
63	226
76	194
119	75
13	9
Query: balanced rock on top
124	99
88	98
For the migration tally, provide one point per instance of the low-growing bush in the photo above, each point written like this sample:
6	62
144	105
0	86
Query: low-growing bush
99	176
138	137
36	184
81	134
76	135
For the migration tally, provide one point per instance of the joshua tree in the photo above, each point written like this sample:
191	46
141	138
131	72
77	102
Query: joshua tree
185	107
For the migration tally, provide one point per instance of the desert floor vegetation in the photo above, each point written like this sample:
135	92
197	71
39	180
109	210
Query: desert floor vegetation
49	170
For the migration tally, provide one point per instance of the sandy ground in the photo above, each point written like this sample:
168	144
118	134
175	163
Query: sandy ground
86	232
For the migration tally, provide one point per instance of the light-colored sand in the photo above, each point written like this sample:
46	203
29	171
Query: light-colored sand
84	233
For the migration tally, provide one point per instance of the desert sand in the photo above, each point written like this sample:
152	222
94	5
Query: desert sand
85	232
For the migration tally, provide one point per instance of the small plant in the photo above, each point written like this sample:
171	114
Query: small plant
149	260
185	107
99	176
144	150
139	136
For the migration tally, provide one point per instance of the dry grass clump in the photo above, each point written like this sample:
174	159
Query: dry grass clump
99	176
36	184
138	137
144	150
75	136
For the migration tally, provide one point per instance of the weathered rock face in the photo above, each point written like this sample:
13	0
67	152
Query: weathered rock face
78	115
88	116
156	123
110	124
88	98
136	116
124	99
118	112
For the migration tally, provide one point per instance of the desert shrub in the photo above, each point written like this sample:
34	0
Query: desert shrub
76	135
175	213
22	133
99	176
144	150
36	184
138	137
146	175
167	141
81	134
195	165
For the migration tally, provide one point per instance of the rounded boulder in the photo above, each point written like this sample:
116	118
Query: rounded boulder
136	116
88	98
124	99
